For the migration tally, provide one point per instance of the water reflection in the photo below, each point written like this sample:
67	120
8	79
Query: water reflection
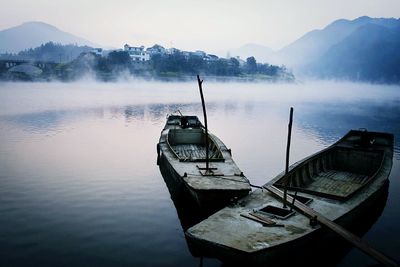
325	121
47	120
188	211
132	112
328	122
78	183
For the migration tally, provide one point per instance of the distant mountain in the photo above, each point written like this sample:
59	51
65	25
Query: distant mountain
370	53
314	44
312	47
33	34
261	53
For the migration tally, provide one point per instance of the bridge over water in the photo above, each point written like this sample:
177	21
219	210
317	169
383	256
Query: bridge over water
25	69
10	63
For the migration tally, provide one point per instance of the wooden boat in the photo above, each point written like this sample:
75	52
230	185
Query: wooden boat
338	184
182	152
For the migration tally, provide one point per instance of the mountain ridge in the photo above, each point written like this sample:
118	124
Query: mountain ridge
315	43
35	33
342	49
368	54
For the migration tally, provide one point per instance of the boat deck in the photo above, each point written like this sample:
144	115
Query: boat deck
226	174
194	152
238	233
335	173
336	182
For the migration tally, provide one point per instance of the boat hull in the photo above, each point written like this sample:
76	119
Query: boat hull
317	248
207	199
232	236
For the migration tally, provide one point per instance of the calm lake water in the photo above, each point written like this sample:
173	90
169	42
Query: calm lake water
79	184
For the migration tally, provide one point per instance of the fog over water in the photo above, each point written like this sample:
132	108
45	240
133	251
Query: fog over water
32	97
79	184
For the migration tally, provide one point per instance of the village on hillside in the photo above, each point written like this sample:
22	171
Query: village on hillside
52	61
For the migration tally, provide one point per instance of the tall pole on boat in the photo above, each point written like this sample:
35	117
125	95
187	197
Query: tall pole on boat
200	82
286	181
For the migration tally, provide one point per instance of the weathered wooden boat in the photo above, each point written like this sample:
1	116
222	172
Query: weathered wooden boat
182	152
336	185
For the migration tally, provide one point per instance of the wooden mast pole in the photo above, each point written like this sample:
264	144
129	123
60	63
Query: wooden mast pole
287	156
200	82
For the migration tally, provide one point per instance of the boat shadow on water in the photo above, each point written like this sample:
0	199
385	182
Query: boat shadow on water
188	211
326	248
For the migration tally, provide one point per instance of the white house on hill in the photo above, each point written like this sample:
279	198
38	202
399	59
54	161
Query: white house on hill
137	53
156	49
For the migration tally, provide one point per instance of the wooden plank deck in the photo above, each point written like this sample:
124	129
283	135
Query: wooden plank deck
193	151
335	182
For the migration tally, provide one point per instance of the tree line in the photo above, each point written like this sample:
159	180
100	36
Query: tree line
77	61
176	64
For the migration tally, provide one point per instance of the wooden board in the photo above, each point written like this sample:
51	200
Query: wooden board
338	183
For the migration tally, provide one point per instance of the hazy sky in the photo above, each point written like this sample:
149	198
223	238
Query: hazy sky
191	24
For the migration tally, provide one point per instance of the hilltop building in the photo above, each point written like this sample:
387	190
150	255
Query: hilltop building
140	54
137	53
156	49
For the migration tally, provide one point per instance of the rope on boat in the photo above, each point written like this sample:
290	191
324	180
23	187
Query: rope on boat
257	186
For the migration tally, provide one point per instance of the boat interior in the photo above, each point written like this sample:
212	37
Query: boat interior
189	145
336	173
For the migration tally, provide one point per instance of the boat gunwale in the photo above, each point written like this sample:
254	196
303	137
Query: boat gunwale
340	144
319	154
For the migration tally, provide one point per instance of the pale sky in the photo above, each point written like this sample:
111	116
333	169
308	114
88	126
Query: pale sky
191	24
